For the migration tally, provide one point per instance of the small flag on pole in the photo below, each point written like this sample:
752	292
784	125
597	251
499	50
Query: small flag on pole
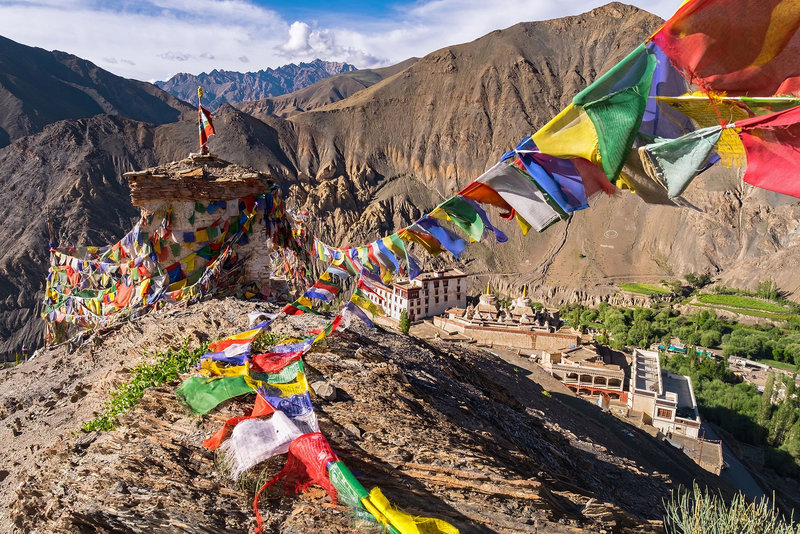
204	121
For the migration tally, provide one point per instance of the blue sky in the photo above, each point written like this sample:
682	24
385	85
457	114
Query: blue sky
154	39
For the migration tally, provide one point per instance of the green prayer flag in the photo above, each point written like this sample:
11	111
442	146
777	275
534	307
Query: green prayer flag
615	104
175	248
284	376
349	489
204	394
464	216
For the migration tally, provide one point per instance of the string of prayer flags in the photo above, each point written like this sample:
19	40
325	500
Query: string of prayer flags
738	47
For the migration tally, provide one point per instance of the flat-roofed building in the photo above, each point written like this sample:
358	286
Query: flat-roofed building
429	294
589	374
665	400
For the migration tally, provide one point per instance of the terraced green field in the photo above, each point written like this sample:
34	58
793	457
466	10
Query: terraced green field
643	289
749	303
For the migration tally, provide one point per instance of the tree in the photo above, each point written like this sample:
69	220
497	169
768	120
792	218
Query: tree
404	323
767	290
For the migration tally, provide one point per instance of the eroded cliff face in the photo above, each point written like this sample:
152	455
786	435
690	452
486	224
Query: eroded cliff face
445	430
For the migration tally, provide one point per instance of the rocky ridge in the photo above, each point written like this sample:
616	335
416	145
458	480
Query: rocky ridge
39	87
222	86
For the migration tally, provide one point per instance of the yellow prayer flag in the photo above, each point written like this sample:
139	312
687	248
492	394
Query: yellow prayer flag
570	134
380	507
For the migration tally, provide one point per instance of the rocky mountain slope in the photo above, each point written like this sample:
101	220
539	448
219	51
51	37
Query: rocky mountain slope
231	86
445	430
38	87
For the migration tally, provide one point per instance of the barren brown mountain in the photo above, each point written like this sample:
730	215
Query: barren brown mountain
368	163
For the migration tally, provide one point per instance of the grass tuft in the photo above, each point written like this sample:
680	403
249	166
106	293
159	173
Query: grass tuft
698	511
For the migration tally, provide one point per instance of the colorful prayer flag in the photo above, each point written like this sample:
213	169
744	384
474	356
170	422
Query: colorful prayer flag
206	126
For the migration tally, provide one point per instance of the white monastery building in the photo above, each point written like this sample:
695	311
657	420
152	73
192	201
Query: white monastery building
664	399
428	295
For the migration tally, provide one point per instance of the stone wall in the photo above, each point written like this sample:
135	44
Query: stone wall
511	338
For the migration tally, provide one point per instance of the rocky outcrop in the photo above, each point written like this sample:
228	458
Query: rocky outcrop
446	431
230	86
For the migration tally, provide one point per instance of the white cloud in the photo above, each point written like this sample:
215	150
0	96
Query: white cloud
154	39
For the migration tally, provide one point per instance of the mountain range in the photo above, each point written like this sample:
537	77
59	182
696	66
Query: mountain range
365	152
230	86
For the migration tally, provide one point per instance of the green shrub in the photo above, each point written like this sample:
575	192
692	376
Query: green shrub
165	368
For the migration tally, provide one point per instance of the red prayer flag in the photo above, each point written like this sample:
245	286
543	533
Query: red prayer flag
206	126
772	144
739	47
480	192
273	362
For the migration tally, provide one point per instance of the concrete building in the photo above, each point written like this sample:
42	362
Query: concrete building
518	326
430	294
589	374
664	400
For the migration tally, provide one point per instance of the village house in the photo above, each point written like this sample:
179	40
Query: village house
662	399
589	374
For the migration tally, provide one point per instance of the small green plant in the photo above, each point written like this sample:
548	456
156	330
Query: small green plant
264	341
404	323
165	368
547	394
698	511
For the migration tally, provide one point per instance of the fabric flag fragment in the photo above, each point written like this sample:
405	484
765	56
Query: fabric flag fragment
309	456
260	409
255	440
676	162
738	47
206	126
204	394
772	144
448	239
273	362
615	103
521	193
285	375
351	309
386	514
